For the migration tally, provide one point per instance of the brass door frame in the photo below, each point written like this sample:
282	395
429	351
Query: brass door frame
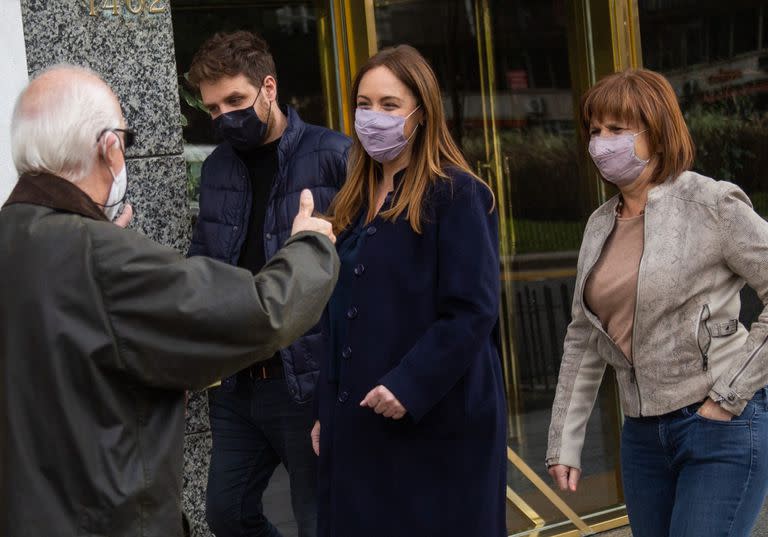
603	37
347	40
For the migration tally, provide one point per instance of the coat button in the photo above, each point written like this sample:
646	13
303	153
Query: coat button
343	396
371	230
352	313
731	396
359	270
347	352
269	236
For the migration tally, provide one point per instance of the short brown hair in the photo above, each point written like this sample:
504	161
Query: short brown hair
643	97
231	54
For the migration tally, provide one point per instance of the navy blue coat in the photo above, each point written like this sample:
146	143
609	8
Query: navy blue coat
308	157
423	321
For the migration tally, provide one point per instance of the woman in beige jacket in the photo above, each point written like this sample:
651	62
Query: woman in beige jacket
657	298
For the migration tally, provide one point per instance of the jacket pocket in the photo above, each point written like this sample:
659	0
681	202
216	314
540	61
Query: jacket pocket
704	336
724	329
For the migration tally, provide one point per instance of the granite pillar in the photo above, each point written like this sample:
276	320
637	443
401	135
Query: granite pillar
134	54
130	44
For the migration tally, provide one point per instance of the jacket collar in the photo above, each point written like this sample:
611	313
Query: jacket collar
671	186
55	193
292	134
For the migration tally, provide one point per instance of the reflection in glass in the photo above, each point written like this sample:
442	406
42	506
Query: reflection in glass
715	55
550	200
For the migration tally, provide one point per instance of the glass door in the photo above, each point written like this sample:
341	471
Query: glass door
548	194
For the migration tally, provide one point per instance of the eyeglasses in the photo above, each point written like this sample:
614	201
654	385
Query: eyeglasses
129	136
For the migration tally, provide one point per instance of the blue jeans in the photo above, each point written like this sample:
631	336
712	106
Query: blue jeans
688	476
254	428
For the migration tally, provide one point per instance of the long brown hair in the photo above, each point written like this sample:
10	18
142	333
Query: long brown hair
644	97
433	148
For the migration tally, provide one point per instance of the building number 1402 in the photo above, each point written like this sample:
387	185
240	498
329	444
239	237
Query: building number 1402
136	7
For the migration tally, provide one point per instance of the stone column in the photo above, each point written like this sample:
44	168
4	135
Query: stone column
130	44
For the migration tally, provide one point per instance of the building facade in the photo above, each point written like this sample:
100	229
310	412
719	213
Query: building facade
512	72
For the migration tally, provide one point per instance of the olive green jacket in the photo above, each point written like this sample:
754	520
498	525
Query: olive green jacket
101	331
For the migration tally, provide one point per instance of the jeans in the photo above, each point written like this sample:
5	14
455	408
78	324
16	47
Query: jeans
689	476
254	428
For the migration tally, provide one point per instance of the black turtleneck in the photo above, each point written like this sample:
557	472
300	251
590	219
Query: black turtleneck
262	164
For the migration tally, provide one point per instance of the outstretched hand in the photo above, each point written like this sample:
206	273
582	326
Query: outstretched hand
304	220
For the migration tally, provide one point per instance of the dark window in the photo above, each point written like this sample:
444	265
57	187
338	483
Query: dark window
745	27
290	28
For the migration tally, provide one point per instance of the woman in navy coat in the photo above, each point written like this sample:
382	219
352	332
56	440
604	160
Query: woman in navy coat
411	423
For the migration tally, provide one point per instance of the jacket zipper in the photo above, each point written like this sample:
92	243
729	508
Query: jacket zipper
632	373
749	360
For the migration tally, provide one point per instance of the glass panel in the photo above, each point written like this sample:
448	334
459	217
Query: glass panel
507	94
450	44
291	30
723	91
549	200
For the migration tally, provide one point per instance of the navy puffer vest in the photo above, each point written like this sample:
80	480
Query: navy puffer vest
308	157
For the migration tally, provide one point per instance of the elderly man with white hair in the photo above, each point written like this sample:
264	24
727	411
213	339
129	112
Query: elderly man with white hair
102	330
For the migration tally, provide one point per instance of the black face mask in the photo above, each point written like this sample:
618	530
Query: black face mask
242	128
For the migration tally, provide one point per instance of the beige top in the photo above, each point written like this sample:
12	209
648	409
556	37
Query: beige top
611	290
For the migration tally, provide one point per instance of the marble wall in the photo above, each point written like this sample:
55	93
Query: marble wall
130	44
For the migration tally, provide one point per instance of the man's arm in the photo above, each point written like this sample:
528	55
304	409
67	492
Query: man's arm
185	323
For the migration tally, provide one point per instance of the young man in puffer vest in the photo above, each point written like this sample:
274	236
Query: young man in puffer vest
250	187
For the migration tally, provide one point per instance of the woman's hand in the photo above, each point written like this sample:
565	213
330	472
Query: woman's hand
384	402
315	434
566	477
713	411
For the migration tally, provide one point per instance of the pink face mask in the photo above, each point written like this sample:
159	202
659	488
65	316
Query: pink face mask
382	134
615	157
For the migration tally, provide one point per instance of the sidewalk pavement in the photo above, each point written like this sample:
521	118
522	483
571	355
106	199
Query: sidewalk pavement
277	507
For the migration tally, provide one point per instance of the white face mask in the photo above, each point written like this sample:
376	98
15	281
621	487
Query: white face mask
116	197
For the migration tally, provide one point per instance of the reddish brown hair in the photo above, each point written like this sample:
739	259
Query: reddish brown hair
644	98
432	152
231	54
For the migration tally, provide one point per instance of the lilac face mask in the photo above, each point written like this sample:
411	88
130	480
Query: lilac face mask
382	134
615	157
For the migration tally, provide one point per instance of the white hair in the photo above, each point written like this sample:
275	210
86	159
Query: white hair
55	127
